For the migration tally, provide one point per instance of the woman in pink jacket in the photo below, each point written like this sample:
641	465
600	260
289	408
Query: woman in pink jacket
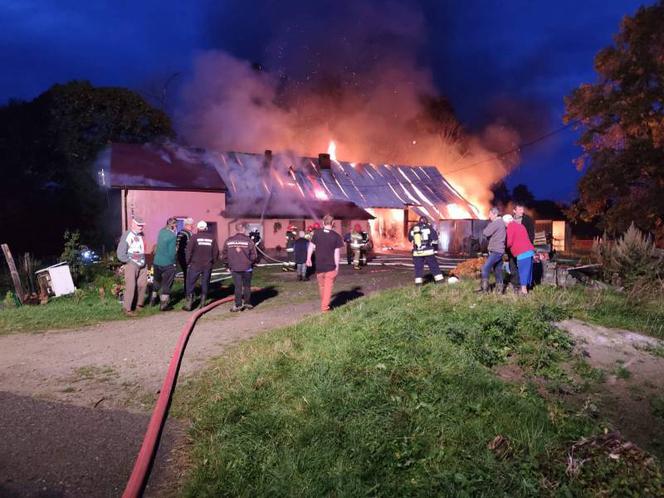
522	249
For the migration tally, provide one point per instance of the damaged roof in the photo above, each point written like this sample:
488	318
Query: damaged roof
153	166
249	179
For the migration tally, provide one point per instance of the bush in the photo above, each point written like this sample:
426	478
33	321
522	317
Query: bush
631	262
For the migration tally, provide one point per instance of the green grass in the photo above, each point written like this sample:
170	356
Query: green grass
77	310
393	396
605	307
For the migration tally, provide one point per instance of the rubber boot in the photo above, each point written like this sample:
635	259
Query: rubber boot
154	298
164	302
189	303
202	303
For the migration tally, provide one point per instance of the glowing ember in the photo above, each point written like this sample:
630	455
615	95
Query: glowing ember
332	150
456	212
320	194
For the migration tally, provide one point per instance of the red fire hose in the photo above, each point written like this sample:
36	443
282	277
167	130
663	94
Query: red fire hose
143	465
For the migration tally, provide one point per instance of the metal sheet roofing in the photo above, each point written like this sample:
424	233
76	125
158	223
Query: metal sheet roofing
285	177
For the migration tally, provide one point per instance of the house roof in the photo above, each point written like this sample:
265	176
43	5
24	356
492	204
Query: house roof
158	167
290	182
300	208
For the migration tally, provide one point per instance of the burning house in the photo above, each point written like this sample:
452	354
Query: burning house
272	191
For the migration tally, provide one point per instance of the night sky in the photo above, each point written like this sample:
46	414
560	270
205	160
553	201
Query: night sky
512	59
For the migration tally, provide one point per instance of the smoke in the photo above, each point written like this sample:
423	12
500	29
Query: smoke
364	87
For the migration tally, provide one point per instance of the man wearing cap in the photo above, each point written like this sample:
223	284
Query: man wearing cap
131	251
181	247
201	254
164	265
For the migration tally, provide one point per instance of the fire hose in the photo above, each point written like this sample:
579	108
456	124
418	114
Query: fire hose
144	461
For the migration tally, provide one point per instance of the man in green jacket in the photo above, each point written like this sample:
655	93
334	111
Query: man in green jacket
164	266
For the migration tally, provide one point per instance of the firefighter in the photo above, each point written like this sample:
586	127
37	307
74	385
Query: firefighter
255	236
425	243
291	236
202	252
181	242
357	243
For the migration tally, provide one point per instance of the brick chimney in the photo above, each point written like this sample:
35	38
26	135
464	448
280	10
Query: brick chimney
324	161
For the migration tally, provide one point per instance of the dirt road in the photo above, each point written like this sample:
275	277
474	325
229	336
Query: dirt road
74	404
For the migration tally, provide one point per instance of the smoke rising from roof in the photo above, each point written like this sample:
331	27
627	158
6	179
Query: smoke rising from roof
353	75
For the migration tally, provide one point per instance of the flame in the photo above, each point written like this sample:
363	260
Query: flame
456	212
332	150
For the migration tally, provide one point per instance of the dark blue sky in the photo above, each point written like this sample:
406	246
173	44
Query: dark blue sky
495	59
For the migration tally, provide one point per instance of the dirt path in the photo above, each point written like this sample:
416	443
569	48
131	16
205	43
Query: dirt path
632	394
74	404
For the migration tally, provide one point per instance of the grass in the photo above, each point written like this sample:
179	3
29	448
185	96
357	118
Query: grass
85	307
393	396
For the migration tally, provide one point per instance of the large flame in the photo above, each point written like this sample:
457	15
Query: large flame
332	150
456	212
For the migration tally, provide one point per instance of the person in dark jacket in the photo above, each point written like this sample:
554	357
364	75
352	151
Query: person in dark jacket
495	232
239	254
181	247
301	247
425	243
202	252
520	216
164	266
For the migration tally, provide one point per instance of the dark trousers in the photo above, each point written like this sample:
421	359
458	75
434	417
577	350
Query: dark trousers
192	276
431	261
494	262
183	265
514	272
163	279
242	283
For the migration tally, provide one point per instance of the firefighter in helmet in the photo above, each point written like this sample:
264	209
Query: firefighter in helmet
291	236
425	243
357	246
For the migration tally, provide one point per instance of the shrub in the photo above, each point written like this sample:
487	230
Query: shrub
631	262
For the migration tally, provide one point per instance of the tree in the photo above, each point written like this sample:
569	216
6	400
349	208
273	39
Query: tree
48	147
522	194
622	121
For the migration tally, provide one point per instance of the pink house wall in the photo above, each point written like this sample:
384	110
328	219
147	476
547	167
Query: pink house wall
156	206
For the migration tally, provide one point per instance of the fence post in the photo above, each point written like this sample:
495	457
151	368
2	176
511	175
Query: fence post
14	273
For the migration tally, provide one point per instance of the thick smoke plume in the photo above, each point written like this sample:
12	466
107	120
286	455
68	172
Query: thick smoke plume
357	83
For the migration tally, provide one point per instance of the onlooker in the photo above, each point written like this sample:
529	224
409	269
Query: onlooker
520	217
202	252
495	232
522	249
181	248
131	251
327	243
164	265
239	253
301	246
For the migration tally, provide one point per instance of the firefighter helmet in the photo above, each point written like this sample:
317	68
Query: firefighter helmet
316	226
357	227
424	220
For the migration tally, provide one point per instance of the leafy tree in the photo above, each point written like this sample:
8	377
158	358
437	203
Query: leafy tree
622	121
522	194
48	147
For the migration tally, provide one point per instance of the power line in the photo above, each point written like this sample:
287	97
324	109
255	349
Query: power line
515	149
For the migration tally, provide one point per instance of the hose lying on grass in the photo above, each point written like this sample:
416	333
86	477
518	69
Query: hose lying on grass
146	455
